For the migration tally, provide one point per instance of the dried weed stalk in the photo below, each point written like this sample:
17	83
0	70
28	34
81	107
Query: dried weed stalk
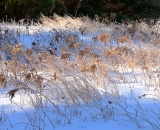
104	37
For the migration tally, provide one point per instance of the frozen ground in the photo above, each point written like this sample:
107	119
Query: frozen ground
20	114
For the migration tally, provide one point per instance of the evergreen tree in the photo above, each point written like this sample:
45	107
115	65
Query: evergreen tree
124	9
30	8
2	8
133	9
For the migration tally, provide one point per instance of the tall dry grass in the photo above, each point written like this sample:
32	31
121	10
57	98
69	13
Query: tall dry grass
77	71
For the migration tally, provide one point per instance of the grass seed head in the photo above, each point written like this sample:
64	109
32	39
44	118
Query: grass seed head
2	79
93	68
108	53
145	68
122	39
64	56
76	45
39	56
104	37
16	48
29	52
71	64
84	68
28	76
81	53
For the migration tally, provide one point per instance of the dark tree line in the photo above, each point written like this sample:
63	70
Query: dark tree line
124	9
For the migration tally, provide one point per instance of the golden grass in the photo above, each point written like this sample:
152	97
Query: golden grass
104	37
123	39
77	71
80	69
2	79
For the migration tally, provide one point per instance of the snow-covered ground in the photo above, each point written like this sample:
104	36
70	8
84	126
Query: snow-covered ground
128	99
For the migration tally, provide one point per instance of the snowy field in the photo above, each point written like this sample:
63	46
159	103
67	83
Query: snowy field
76	73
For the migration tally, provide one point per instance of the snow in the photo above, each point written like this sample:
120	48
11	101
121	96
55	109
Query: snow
135	106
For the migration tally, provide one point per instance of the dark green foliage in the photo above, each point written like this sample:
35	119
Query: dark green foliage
124	9
28	8
133	9
60	8
92	7
2	8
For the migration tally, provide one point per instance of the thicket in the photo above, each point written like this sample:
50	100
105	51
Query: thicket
124	9
19	9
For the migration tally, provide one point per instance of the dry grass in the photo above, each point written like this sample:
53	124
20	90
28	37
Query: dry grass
80	72
63	73
104	38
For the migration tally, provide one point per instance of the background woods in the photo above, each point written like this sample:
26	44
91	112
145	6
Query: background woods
124	9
